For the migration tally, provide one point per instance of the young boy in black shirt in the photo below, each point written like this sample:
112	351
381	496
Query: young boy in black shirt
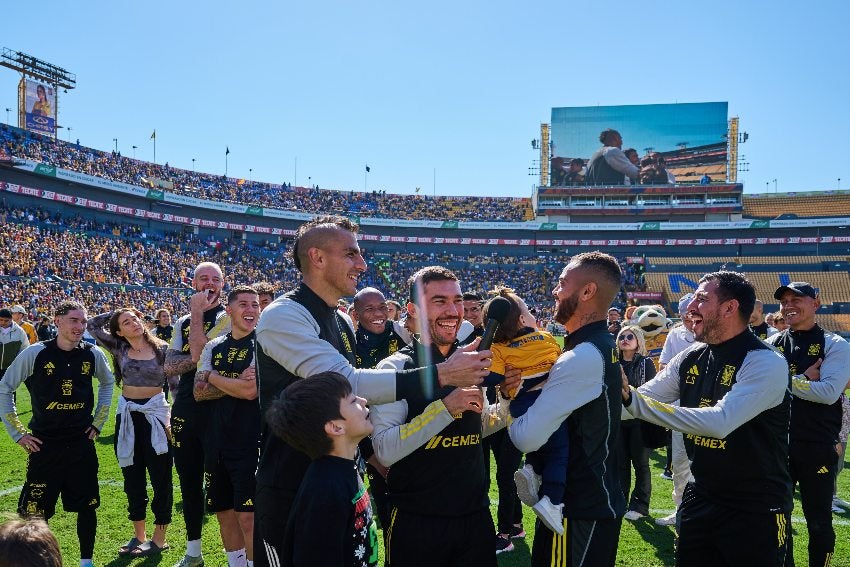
331	519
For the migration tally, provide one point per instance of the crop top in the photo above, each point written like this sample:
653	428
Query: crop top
130	371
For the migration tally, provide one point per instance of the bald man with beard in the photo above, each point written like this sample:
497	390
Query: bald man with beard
584	388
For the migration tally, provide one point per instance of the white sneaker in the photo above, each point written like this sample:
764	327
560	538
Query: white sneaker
667	520
551	515
632	515
836	501
527	485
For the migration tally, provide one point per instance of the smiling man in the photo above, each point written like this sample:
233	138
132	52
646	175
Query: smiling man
819	363
302	334
65	422
734	412
437	482
226	377
377	335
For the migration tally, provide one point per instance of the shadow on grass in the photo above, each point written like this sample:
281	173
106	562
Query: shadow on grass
659	537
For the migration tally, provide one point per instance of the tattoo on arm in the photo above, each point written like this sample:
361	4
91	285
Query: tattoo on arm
209	392
177	363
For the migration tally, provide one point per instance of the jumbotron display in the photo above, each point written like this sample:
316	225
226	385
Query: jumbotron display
691	138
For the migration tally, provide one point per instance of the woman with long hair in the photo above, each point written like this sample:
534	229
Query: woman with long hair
142	434
639	368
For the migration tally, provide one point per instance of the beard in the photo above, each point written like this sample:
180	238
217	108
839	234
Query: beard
566	309
710	329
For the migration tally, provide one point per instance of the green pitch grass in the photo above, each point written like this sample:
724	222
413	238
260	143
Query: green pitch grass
642	543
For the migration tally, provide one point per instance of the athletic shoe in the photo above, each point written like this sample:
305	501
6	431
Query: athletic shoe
516	532
527	485
667	474
667	520
503	544
191	561
836	501
551	515
633	515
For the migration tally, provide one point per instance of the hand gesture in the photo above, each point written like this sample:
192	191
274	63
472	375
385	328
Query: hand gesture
466	367
201	301
464	399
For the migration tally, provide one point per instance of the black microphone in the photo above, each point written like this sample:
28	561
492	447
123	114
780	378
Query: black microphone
497	312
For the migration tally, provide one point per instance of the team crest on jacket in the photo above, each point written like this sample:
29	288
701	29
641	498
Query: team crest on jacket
728	373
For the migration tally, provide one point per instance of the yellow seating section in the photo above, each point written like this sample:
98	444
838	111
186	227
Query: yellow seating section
770	207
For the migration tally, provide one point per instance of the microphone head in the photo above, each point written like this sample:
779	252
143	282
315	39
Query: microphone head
498	308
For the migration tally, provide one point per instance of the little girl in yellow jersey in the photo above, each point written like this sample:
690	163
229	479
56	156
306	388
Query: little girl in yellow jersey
519	344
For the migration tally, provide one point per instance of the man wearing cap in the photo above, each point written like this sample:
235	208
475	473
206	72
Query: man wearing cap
18	314
13	340
757	323
819	362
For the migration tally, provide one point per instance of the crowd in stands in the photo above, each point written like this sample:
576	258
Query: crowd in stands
45	257
115	167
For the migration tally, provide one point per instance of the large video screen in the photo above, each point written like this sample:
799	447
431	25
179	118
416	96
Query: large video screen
690	137
40	107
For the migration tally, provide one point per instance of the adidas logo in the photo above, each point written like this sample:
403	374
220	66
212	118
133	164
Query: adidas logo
823	470
248	502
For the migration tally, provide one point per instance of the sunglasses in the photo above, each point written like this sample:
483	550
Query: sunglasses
626	337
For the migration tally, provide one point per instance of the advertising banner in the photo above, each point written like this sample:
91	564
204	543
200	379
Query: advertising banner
39	107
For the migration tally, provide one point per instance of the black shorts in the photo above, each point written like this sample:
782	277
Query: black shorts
231	483
66	468
713	534
412	540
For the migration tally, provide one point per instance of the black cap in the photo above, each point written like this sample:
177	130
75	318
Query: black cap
797	288
5	313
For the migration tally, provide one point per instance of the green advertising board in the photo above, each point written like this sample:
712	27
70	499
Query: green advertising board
156	194
44	169
760	224
258	211
549	226
651	226
449	224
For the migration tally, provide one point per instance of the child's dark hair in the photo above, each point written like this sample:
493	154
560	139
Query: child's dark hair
28	542
510	327
299	415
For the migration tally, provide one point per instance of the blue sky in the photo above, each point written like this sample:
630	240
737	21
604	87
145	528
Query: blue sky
456	87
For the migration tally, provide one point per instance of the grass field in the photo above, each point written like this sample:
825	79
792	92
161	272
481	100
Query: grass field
642	543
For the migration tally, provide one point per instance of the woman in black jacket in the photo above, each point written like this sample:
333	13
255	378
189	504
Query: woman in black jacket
639	368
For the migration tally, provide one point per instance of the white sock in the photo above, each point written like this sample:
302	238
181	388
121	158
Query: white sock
237	558
193	548
250	563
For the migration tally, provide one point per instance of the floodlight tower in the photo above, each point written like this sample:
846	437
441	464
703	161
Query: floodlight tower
30	66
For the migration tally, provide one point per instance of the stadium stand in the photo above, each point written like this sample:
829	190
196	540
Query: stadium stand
743	261
46	257
115	167
790	205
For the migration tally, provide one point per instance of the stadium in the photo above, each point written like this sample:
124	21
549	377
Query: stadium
110	230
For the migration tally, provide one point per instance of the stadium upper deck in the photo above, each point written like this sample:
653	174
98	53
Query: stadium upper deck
17	143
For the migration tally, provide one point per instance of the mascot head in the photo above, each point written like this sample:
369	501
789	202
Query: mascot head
652	320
